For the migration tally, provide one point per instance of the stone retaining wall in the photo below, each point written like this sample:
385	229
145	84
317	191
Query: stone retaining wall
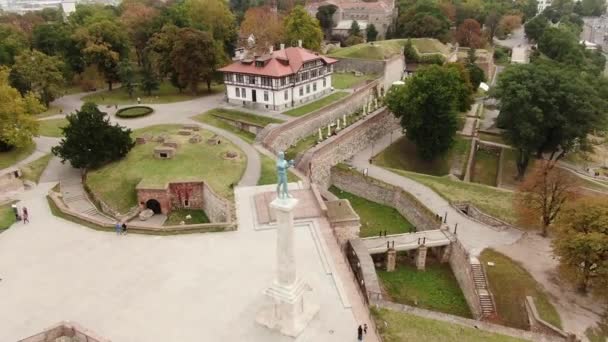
478	215
392	69
280	137
461	267
377	191
215	206
243	126
481	325
362	265
70	330
135	226
537	324
318	161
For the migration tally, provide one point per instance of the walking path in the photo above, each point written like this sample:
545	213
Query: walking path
473	235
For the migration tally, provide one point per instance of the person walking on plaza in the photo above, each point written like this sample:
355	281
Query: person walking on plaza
26	216
360	334
16	211
124	228
365	328
118	227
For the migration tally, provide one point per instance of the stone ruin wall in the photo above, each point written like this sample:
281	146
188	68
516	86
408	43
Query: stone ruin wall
461	267
281	137
318	161
216	207
376	191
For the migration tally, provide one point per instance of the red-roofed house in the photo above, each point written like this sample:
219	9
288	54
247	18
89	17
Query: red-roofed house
278	80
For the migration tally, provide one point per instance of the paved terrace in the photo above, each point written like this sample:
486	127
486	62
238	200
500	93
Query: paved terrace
406	242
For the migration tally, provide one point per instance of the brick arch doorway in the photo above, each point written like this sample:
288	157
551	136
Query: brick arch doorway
153	205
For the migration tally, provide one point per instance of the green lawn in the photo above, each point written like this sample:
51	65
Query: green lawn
269	172
402	327
375	217
178	215
134	112
435	288
492	138
348	80
115	183
33	170
52	110
301	146
384	49
310	107
491	200
510	283
402	155
213	118
15	155
52	127
7	216
165	94
485	167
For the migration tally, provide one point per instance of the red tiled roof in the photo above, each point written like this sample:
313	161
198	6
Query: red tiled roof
280	63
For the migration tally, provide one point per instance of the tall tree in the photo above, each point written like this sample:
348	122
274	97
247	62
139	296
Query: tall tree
422	20
561	45
40	74
325	16
491	24
543	194
126	74
91	141
546	109
371	33
52	39
194	58
266	26
213	16
469	34
12	43
354	30
427	106
581	244
301	26
138	20
535	27
149	79
508	23
17	126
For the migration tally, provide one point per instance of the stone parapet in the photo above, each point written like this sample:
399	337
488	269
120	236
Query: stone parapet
479	216
362	265
71	330
137	227
377	191
318	161
537	324
280	137
461	267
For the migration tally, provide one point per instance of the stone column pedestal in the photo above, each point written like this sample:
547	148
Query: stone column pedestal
391	259
421	258
291	307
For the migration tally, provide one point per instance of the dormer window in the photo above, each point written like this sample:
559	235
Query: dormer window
259	64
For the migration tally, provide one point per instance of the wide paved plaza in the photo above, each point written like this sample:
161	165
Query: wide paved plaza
197	287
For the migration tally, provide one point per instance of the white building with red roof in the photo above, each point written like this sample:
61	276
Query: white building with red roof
279	79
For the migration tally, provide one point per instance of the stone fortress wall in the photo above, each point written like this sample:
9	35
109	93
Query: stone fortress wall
280	137
318	161
461	267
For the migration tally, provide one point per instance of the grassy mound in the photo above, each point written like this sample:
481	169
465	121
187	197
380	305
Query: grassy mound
134	112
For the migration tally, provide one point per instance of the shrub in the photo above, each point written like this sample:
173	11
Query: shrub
134	112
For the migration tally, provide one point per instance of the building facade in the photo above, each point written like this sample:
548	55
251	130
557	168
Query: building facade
381	14
279	79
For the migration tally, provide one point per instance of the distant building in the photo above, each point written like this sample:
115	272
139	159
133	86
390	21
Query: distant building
381	14
343	27
278	79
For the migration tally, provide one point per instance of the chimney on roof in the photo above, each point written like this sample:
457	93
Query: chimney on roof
282	46
300	43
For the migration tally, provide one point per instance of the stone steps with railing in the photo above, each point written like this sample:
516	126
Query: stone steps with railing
486	301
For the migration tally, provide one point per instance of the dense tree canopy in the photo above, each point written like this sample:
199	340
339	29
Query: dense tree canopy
194	58
427	105
325	16
301	26
91	141
547	108
40	74
469	34
266	26
424	19
17	126
581	244
561	45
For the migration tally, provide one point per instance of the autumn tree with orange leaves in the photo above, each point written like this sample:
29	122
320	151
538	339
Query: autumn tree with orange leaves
542	195
469	34
266	26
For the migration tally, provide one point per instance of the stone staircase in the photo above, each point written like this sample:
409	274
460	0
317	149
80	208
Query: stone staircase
486	301
75	197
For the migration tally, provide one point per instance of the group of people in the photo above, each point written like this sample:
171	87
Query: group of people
360	331
24	216
121	228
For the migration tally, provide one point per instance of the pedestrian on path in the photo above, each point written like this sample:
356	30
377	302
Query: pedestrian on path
124	228
26	217
16	211
118	227
360	334
365	328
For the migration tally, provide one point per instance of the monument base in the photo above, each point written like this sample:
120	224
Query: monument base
291	308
